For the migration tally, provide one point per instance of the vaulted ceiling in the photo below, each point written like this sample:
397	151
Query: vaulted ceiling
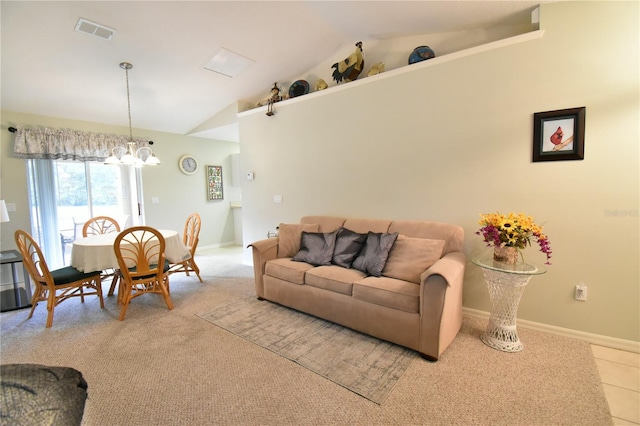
50	69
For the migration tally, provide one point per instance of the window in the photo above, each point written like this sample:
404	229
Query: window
81	190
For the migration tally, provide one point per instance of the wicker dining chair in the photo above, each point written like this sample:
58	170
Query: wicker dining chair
56	286
100	225
190	240
143	268
103	225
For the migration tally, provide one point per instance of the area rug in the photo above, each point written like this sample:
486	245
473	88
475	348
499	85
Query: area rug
363	364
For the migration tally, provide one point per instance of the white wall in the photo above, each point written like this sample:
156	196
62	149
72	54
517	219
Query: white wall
179	195
453	139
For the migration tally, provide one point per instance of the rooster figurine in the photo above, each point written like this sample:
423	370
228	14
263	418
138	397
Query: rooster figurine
350	68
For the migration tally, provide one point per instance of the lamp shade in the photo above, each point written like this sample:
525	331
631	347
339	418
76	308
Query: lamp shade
4	214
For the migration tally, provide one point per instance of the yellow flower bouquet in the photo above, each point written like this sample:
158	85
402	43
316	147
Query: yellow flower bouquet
512	230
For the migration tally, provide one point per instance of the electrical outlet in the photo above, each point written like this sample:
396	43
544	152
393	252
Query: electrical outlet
581	292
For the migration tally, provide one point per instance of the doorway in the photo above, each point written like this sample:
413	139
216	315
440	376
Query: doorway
64	194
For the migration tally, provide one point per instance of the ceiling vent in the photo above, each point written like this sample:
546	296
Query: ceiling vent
96	30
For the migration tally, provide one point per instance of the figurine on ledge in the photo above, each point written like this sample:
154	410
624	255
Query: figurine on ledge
275	97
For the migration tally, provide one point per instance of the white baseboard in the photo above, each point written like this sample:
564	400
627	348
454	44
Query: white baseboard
218	245
596	339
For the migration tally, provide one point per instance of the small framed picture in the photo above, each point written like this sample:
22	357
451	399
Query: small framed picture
558	135
214	183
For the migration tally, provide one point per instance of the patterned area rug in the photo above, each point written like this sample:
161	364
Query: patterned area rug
363	364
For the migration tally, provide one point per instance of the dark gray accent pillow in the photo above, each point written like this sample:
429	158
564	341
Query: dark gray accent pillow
374	254
348	247
316	248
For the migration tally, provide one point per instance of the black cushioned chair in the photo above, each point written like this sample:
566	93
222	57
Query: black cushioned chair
103	225
190	238
140	254
55	286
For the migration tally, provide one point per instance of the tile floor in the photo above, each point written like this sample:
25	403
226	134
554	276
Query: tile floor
619	370
620	376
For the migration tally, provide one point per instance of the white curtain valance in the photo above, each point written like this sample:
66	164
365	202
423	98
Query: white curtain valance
67	144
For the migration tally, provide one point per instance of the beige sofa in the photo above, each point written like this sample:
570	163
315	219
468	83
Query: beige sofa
416	302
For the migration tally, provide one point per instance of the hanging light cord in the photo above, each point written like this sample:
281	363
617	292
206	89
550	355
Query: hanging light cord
127	66
131	152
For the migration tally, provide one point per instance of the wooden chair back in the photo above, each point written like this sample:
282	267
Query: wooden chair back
190	236
54	287
141	259
100	225
33	259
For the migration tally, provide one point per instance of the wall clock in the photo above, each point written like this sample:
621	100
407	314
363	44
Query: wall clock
188	164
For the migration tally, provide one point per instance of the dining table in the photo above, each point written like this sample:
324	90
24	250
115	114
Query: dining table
96	253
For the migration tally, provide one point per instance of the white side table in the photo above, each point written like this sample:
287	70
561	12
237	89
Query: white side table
506	284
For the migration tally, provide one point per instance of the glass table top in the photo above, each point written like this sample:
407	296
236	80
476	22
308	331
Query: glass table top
519	268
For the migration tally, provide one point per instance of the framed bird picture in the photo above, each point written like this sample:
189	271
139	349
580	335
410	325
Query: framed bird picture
559	135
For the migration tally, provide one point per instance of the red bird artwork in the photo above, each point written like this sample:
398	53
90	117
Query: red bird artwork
556	138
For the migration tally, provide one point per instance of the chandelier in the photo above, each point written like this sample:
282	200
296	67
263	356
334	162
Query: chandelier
131	155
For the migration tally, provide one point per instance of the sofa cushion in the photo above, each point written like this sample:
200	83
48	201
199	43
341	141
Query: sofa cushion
287	270
325	223
367	225
389	292
316	248
373	256
333	278
348	247
410	257
452	234
289	237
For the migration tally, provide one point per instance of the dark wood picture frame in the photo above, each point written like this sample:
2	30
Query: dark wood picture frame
214	183
559	135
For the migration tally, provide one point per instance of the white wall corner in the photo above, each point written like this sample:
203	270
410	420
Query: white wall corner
535	16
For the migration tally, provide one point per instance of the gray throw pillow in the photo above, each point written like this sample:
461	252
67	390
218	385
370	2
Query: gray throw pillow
374	254
316	248
348	247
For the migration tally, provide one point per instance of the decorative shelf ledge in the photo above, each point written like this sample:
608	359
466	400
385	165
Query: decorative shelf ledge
510	41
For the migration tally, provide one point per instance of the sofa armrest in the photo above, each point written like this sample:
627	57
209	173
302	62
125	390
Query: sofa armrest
450	266
263	251
441	304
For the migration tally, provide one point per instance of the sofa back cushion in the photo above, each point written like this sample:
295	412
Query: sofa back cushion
364	226
410	257
290	235
453	235
325	223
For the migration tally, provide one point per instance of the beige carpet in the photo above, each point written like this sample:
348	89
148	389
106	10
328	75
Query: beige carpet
160	367
363	364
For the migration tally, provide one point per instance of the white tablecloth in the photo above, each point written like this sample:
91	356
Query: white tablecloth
95	253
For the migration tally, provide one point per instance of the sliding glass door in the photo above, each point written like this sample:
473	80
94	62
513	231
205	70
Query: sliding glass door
64	194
